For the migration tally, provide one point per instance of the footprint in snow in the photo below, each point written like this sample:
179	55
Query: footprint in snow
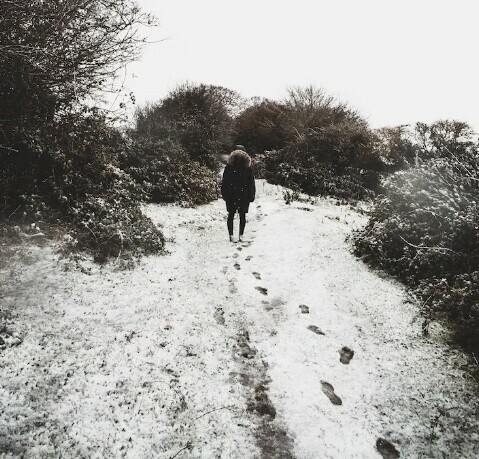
235	255
232	286
386	449
248	258
262	290
239	249
304	309
328	389
243	348
246	351
219	316
237	266
345	355
316	330
257	275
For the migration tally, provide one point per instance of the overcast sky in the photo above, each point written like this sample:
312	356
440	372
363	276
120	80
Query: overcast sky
398	62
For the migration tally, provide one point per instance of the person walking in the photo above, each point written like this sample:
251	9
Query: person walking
238	188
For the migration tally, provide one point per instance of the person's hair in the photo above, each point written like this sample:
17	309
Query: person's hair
239	158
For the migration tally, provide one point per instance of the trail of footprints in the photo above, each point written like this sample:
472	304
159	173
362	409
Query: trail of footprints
346	354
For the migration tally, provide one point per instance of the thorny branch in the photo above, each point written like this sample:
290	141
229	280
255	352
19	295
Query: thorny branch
423	247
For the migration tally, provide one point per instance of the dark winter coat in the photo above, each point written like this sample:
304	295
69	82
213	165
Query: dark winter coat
238	187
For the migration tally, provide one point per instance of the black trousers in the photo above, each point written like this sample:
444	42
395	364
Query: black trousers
231	216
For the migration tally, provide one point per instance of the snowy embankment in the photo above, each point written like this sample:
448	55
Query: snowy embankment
283	346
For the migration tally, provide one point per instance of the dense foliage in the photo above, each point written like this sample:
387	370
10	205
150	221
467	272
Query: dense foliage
176	144
425	228
164	172
199	118
313	143
259	127
58	156
67	175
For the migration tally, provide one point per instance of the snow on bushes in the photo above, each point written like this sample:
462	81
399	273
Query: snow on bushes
425	231
58	152
316	178
113	226
164	173
66	176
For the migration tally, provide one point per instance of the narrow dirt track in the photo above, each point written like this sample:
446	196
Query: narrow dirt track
282	346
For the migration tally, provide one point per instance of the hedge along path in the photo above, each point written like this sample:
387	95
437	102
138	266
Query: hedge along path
184	356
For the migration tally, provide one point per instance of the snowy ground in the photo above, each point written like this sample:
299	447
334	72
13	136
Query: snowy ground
221	350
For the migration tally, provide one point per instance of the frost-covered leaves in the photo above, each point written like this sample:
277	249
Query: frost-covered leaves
316	178
164	173
458	298
422	225
114	226
425	231
66	175
109	223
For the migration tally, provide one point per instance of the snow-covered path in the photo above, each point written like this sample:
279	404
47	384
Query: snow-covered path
221	350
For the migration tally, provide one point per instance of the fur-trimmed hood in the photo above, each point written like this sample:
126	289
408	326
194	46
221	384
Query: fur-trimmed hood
239	158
